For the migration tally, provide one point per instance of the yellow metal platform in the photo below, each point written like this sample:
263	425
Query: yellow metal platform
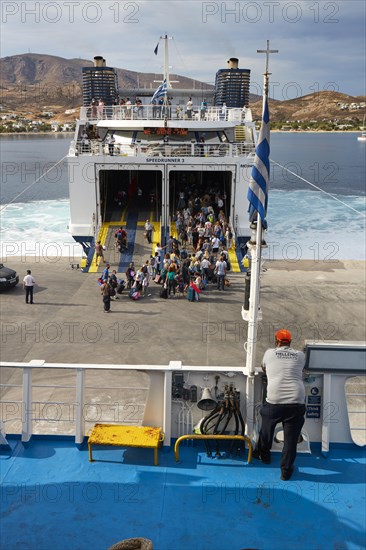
126	436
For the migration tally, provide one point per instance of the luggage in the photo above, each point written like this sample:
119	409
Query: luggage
136	295
190	294
157	279
121	287
164	293
132	293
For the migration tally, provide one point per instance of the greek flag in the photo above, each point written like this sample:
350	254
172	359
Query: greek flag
259	181
160	91
156	49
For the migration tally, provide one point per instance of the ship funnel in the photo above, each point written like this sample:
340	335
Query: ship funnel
233	63
98	61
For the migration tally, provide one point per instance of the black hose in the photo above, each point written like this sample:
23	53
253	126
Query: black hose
207	418
227	422
241	422
221	417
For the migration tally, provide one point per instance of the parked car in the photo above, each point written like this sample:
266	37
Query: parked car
8	277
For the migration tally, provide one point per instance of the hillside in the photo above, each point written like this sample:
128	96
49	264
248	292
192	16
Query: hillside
41	81
317	107
32	83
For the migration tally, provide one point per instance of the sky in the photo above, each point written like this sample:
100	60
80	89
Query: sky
321	43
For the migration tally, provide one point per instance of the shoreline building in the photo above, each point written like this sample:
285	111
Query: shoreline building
232	85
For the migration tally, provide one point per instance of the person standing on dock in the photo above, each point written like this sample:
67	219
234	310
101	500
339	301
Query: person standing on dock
28	284
285	401
148	231
106	296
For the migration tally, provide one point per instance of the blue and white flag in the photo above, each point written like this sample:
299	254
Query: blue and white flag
259	181
156	49
160	91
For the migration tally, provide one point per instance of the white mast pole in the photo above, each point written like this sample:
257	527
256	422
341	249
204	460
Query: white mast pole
166	61
255	249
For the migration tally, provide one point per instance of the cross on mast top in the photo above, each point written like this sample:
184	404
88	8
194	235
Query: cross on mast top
266	74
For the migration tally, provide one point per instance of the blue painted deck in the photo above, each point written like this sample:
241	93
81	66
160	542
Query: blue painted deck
53	497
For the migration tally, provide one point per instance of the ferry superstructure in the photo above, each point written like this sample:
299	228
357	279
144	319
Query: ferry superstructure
159	149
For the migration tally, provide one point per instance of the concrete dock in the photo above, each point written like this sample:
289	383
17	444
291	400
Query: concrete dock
315	300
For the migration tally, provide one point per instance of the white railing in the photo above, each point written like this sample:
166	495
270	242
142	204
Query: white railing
158	149
157	112
155	411
76	406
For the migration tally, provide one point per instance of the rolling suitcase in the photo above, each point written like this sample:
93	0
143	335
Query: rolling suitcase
164	293
190	294
121	287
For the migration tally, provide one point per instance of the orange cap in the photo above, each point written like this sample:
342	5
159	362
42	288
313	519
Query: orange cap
283	335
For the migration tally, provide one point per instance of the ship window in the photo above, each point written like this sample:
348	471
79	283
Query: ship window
355	389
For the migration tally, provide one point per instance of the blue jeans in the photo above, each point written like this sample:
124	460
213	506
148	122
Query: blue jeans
221	282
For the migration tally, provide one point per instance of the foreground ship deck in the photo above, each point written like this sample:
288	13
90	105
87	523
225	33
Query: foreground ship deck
55	498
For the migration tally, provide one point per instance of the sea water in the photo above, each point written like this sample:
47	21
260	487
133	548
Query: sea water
304	220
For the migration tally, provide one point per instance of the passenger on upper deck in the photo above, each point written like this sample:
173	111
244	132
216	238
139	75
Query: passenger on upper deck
93	105
139	107
223	111
155	109
100	109
128	108
203	109
189	108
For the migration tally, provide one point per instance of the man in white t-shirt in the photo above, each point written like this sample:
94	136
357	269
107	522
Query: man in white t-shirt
220	271
189	107
285	401
28	284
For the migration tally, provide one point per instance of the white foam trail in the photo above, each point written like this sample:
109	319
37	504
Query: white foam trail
309	225
38	228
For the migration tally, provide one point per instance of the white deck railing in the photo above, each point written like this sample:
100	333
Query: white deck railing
18	402
156	112
157	149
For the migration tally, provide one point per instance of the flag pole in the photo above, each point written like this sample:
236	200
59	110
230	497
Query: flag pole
255	249
166	61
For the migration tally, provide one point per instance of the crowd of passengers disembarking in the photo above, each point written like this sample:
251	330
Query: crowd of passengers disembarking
186	264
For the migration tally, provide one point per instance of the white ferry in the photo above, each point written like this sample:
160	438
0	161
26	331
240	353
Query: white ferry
157	151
